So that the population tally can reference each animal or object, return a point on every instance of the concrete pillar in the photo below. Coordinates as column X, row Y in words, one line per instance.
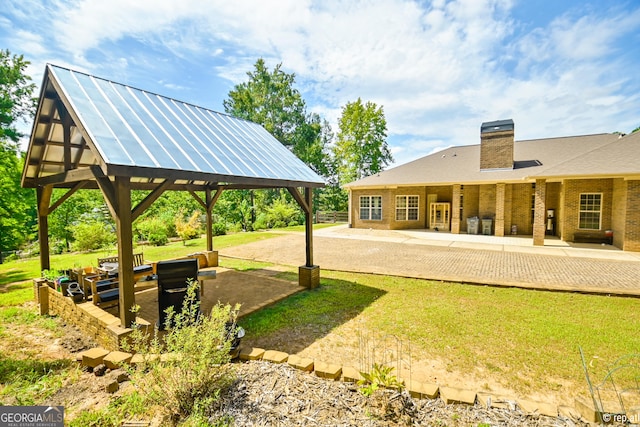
column 540, row 213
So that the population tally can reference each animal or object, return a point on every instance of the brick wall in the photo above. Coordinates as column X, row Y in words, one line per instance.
column 571, row 208
column 487, row 201
column 496, row 150
column 388, row 221
column 632, row 223
column 94, row 322
column 470, row 208
column 521, row 208
column 455, row 209
column 619, row 213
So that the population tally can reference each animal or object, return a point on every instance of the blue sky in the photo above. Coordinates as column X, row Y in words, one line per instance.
column 438, row 68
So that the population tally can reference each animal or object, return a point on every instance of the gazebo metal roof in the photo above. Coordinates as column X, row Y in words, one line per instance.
column 131, row 132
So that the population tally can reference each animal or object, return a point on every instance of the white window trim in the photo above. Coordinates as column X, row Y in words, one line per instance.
column 580, row 211
column 406, row 208
column 370, row 207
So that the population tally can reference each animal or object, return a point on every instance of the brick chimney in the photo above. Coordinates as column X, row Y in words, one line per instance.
column 496, row 145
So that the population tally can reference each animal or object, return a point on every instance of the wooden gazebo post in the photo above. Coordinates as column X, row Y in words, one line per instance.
column 43, row 195
column 308, row 274
column 125, row 250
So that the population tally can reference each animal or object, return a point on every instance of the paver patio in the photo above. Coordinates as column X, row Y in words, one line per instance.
column 508, row 261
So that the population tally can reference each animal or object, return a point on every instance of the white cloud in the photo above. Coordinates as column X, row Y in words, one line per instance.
column 438, row 68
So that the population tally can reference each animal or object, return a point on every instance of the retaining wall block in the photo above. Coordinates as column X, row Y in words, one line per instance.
column 490, row 400
column 275, row 356
column 301, row 363
column 327, row 370
column 457, row 395
column 351, row 374
column 115, row 359
column 251, row 353
column 94, row 356
column 421, row 390
column 542, row 408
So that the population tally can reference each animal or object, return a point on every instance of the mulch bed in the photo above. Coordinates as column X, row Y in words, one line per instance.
column 268, row 394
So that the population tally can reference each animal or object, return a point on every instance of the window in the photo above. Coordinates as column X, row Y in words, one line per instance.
column 371, row 207
column 590, row 211
column 407, row 208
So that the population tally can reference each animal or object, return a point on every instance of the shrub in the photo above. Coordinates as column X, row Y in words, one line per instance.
column 190, row 229
column 158, row 239
column 195, row 369
column 92, row 235
column 154, row 230
column 281, row 214
column 219, row 229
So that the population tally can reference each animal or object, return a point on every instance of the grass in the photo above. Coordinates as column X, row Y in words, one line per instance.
column 25, row 270
column 527, row 339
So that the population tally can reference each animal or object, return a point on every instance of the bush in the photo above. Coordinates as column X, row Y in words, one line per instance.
column 190, row 229
column 280, row 214
column 158, row 239
column 196, row 370
column 152, row 229
column 219, row 229
column 92, row 235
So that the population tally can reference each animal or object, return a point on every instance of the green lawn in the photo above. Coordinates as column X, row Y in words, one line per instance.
column 528, row 340
column 27, row 269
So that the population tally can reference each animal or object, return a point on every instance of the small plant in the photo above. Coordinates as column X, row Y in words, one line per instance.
column 51, row 275
column 193, row 368
column 380, row 376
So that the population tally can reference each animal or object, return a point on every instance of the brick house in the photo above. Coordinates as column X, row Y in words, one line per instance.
column 579, row 188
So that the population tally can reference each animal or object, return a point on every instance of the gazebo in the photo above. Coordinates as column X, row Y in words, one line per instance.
column 93, row 133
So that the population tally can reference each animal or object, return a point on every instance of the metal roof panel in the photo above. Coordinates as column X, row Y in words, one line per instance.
column 134, row 128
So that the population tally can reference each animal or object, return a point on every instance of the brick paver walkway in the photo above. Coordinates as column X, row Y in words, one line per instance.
column 542, row 268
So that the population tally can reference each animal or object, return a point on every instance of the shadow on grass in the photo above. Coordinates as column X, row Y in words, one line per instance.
column 293, row 324
column 13, row 276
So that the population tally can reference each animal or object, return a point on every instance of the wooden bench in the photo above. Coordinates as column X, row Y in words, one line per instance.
column 593, row 236
column 140, row 267
column 104, row 292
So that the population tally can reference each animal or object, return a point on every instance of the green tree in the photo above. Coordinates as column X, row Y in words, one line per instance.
column 84, row 206
column 361, row 148
column 270, row 99
column 17, row 205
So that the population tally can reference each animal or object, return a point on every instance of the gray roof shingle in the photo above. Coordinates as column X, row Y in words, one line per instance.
column 575, row 156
